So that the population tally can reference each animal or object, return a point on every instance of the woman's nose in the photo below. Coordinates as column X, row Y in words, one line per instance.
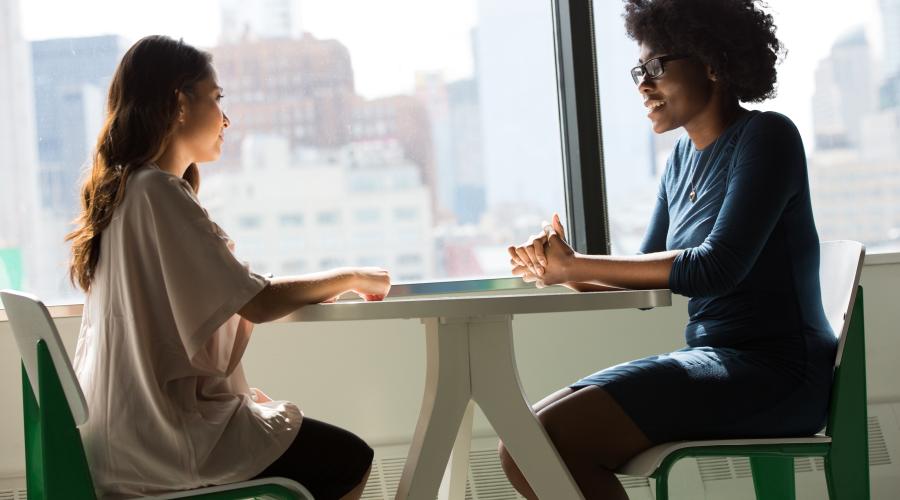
column 225, row 120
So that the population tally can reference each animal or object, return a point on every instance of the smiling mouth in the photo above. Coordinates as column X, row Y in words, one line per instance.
column 654, row 105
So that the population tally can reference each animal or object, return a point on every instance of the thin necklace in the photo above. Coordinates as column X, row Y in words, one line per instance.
column 694, row 177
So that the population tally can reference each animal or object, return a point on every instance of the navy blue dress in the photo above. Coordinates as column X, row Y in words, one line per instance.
column 760, row 351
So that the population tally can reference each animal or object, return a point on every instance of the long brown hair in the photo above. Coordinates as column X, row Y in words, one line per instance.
column 141, row 113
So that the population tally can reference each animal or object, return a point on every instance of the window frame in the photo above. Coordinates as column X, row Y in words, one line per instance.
column 584, row 173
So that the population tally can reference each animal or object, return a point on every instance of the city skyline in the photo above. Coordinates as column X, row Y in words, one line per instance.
column 489, row 168
column 442, row 21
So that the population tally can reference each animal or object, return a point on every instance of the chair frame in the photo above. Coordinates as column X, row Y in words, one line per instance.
column 55, row 462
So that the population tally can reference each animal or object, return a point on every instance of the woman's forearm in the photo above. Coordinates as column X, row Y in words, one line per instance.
column 633, row 272
column 286, row 294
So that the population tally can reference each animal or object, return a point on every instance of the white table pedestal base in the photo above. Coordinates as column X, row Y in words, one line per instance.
column 485, row 345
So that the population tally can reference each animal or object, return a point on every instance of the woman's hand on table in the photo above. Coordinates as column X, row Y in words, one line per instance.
column 531, row 253
column 371, row 283
column 545, row 258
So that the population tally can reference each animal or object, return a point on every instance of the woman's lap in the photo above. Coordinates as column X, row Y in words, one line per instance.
column 705, row 393
column 327, row 460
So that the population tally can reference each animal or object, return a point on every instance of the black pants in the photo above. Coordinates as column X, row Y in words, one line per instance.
column 327, row 460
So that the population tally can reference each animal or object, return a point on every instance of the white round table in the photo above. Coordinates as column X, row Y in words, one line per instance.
column 470, row 357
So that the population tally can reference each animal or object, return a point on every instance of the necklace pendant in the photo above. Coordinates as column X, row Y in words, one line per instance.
column 693, row 196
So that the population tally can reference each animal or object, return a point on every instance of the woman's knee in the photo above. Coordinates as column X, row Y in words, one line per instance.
column 589, row 429
column 554, row 422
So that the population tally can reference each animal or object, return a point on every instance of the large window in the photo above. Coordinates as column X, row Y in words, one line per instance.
column 840, row 84
column 421, row 136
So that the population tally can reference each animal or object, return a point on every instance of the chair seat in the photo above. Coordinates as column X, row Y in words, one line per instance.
column 646, row 463
column 295, row 487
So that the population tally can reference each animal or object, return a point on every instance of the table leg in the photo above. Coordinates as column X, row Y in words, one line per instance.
column 447, row 394
column 498, row 392
column 453, row 487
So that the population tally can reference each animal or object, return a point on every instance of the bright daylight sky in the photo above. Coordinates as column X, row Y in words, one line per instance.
column 433, row 35
column 386, row 55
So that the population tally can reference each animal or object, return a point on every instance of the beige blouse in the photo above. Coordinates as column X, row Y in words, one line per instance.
column 159, row 352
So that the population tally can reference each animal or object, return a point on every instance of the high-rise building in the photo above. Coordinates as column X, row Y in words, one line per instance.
column 18, row 162
column 844, row 92
column 854, row 179
column 400, row 119
column 431, row 91
column 454, row 114
column 890, row 18
column 359, row 205
column 71, row 81
column 889, row 94
column 516, row 76
column 881, row 136
column 856, row 198
column 258, row 19
column 301, row 89
column 466, row 150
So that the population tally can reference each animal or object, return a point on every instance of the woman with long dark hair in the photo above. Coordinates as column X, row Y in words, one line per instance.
column 169, row 310
column 732, row 229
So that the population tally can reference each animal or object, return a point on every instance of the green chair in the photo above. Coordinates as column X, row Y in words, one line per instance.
column 55, row 462
column 844, row 445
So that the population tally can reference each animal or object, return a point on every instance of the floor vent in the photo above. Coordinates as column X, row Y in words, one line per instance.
column 741, row 466
column 487, row 474
column 714, row 468
column 389, row 478
column 631, row 482
column 485, row 481
column 13, row 495
column 808, row 464
column 878, row 449
column 375, row 487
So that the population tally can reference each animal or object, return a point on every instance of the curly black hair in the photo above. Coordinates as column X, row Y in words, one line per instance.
column 736, row 38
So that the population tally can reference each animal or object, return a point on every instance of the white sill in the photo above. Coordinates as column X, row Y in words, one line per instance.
column 508, row 285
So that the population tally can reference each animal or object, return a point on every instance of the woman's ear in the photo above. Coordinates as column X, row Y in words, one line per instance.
column 182, row 105
column 710, row 74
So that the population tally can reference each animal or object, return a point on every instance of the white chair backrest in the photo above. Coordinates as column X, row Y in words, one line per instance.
column 31, row 322
column 840, row 265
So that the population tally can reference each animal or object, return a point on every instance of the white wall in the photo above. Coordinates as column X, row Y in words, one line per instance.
column 368, row 376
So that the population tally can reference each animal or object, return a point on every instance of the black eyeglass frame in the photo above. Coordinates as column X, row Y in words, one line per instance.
column 639, row 72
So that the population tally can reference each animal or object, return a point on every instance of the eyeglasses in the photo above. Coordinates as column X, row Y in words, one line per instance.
column 653, row 68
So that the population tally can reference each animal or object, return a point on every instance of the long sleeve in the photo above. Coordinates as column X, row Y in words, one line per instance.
column 764, row 177
column 655, row 237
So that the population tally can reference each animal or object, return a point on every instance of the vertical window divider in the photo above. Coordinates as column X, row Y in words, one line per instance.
column 580, row 126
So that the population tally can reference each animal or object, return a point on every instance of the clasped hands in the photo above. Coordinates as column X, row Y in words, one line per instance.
column 546, row 258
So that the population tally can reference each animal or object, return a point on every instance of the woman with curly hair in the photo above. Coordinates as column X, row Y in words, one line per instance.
column 732, row 229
